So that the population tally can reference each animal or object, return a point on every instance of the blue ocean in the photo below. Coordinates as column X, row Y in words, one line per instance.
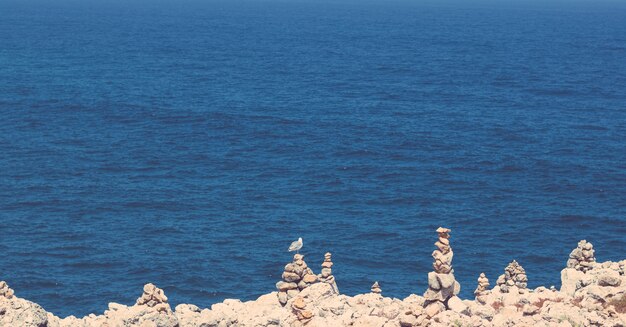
column 188, row 143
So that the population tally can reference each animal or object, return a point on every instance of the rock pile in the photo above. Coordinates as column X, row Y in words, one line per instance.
column 443, row 255
column 514, row 275
column 582, row 257
column 376, row 288
column 442, row 285
column 593, row 298
column 154, row 297
column 5, row 290
column 326, row 275
column 296, row 277
column 482, row 289
column 298, row 307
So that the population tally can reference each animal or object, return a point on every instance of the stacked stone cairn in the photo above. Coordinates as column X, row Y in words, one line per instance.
column 514, row 275
column 441, row 283
column 298, row 307
column 5, row 291
column 326, row 275
column 582, row 257
column 376, row 288
column 154, row 297
column 296, row 277
column 482, row 289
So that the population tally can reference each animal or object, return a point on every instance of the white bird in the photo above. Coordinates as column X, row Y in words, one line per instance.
column 296, row 246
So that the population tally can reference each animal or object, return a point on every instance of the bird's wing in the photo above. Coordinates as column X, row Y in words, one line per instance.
column 294, row 245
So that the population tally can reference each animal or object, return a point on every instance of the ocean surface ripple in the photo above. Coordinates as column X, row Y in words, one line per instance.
column 187, row 144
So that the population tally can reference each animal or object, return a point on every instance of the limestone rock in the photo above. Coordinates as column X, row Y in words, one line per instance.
column 433, row 281
column 594, row 297
column 285, row 286
column 572, row 280
column 20, row 312
column 414, row 316
column 298, row 307
column 282, row 297
column 434, row 308
column 609, row 278
column 455, row 304
column 5, row 290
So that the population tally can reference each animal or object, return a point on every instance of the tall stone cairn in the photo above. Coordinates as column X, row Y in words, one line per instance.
column 482, row 289
column 514, row 275
column 296, row 277
column 443, row 254
column 326, row 276
column 5, row 291
column 441, row 283
column 154, row 297
column 582, row 257
column 376, row 288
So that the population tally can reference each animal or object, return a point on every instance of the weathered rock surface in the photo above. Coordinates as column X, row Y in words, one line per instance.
column 20, row 312
column 596, row 297
column 5, row 291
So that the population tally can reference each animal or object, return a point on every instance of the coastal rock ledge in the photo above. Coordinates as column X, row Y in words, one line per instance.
column 592, row 294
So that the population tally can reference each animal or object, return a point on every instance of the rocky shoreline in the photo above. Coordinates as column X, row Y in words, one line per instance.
column 592, row 294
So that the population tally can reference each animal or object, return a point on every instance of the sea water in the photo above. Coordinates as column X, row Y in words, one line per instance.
column 188, row 144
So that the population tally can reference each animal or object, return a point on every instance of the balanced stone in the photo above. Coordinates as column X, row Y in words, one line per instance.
column 154, row 297
column 327, row 273
column 376, row 288
column 290, row 277
column 514, row 275
column 482, row 289
column 582, row 257
column 443, row 255
column 296, row 277
column 442, row 284
column 285, row 286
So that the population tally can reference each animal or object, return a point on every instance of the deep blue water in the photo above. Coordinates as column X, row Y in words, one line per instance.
column 187, row 144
